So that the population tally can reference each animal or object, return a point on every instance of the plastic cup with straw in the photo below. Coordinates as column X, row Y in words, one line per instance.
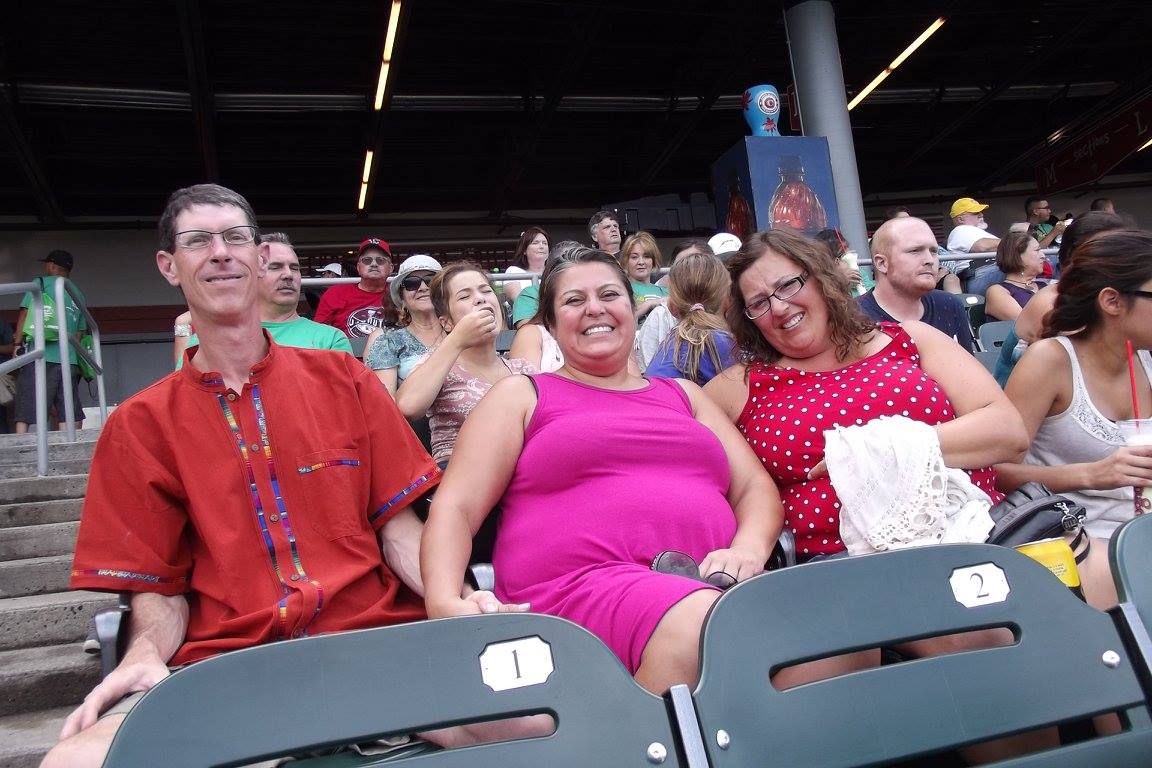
column 1134, row 431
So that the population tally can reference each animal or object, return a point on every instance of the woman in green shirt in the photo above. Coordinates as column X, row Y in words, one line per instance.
column 640, row 258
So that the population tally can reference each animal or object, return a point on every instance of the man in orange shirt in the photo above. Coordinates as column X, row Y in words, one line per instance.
column 259, row 493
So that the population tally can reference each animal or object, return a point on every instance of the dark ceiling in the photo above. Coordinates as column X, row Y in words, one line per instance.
column 499, row 105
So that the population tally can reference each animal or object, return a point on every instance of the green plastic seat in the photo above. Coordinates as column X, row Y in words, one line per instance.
column 300, row 695
column 1070, row 662
column 1130, row 554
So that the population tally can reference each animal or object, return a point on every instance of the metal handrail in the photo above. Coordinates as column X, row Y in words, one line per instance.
column 35, row 356
column 95, row 359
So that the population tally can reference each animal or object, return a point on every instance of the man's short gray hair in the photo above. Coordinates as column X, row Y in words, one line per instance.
column 598, row 217
column 275, row 237
column 199, row 194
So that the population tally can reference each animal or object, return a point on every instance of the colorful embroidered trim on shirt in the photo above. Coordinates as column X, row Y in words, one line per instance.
column 329, row 463
column 392, row 502
column 281, row 509
column 112, row 573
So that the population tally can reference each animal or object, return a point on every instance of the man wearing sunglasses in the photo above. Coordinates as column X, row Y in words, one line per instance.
column 360, row 308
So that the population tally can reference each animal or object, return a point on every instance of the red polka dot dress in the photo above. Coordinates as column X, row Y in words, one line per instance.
column 788, row 411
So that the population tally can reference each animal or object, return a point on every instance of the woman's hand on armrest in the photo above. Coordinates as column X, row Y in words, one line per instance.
column 480, row 601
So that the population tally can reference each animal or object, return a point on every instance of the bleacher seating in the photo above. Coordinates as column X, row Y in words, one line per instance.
column 1069, row 663
column 1130, row 552
column 974, row 306
column 983, row 273
column 992, row 335
column 988, row 358
column 306, row 694
column 504, row 341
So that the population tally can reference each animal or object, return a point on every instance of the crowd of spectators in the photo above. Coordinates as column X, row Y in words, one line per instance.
column 771, row 398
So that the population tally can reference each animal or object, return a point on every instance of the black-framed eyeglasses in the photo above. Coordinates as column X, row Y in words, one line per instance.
column 195, row 239
column 413, row 282
column 783, row 292
column 1138, row 292
column 367, row 260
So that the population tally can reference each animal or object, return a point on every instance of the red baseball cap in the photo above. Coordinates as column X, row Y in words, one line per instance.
column 374, row 242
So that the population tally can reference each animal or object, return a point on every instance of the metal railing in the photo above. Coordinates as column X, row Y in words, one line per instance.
column 35, row 356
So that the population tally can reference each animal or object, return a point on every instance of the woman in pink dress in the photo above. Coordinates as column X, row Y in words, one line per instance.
column 602, row 472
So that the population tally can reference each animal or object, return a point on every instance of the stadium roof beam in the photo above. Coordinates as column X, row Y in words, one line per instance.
column 394, row 36
column 593, row 25
column 199, row 87
column 1137, row 87
column 29, row 161
column 1056, row 48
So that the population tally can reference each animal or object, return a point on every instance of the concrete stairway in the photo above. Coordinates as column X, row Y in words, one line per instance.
column 44, row 672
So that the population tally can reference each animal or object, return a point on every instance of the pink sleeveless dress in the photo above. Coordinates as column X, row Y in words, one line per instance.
column 605, row 482
column 788, row 411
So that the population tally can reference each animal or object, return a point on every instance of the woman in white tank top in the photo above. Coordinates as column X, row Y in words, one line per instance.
column 1073, row 386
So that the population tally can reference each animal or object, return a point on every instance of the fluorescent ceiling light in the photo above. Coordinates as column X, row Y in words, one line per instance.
column 367, row 167
column 897, row 62
column 380, row 86
column 390, row 38
column 386, row 60
column 1146, row 145
column 363, row 195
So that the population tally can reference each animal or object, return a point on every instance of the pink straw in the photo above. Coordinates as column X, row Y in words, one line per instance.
column 1132, row 383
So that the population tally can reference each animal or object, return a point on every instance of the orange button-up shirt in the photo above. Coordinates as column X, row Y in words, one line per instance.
column 261, row 506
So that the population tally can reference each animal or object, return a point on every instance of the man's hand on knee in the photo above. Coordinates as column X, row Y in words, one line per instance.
column 127, row 678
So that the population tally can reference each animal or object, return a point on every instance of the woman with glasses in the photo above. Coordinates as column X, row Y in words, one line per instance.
column 392, row 352
column 598, row 472
column 531, row 252
column 1074, row 390
column 815, row 362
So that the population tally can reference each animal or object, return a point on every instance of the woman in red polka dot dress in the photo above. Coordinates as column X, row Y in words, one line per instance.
column 815, row 362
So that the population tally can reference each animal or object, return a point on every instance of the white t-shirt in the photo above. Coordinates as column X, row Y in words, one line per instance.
column 963, row 237
column 514, row 270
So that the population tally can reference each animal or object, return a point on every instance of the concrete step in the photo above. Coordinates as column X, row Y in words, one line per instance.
column 43, row 488
column 35, row 575
column 40, row 512
column 42, row 540
column 55, row 468
column 54, row 437
column 45, row 678
column 26, row 454
column 51, row 619
column 27, row 737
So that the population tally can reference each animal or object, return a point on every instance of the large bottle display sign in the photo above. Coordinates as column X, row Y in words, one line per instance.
column 771, row 181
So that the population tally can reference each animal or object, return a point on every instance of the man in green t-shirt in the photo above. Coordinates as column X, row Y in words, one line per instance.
column 57, row 264
column 280, row 298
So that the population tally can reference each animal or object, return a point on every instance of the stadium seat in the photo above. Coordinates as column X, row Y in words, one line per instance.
column 299, row 695
column 992, row 334
column 504, row 341
column 988, row 358
column 974, row 306
column 1130, row 552
column 982, row 274
column 358, row 344
column 1069, row 662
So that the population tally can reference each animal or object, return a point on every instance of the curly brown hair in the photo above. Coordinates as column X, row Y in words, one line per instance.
column 848, row 326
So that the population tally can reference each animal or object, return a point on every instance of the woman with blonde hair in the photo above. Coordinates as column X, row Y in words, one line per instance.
column 640, row 258
column 700, row 345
